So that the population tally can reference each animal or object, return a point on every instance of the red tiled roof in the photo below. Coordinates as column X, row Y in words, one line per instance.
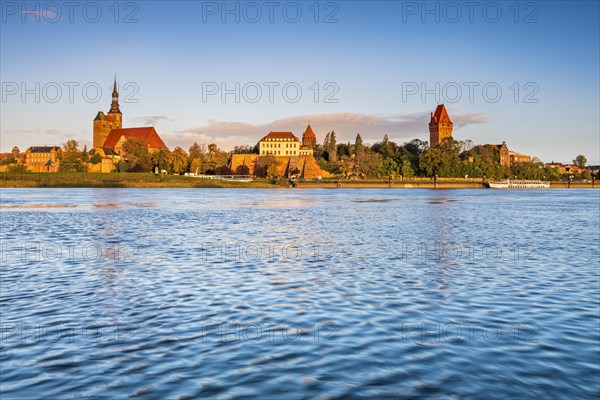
column 44, row 149
column 280, row 135
column 440, row 113
column 147, row 134
column 309, row 132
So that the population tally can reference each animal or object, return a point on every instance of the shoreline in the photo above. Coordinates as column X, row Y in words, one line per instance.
column 133, row 180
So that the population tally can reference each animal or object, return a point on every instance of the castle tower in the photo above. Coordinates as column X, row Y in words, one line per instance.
column 440, row 126
column 104, row 123
column 309, row 138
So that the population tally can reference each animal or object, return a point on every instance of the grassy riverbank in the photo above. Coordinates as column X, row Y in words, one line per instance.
column 123, row 180
column 147, row 180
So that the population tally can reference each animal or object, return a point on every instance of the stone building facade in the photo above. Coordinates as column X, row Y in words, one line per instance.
column 42, row 158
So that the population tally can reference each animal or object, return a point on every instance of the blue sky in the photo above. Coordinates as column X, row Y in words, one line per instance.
column 367, row 60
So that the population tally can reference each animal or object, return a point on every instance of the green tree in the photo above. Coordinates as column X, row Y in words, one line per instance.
column 407, row 169
column 332, row 150
column 71, row 147
column 359, row 147
column 70, row 161
column 242, row 170
column 161, row 159
column 263, row 164
column 214, row 160
column 344, row 150
column 273, row 171
column 9, row 160
column 245, row 149
column 416, row 146
column 431, row 161
column 179, row 160
column 122, row 166
column 451, row 165
column 329, row 167
column 527, row 170
column 580, row 161
column 318, row 151
column 196, row 157
column 413, row 150
column 551, row 174
column 368, row 164
column 387, row 166
column 137, row 155
column 96, row 158
column 84, row 155
column 488, row 153
column 17, row 168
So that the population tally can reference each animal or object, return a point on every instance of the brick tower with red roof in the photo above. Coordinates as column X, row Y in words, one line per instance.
column 440, row 126
column 309, row 139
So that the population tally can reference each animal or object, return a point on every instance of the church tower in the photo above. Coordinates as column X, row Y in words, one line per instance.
column 114, row 111
column 104, row 123
column 440, row 126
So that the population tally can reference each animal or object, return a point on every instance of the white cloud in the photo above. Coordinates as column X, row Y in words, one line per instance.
column 152, row 120
column 399, row 127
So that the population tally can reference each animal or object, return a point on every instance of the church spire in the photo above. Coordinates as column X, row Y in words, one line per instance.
column 115, row 94
column 114, row 107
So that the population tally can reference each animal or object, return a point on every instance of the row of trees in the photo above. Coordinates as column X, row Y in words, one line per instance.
column 198, row 159
column 381, row 159
column 414, row 158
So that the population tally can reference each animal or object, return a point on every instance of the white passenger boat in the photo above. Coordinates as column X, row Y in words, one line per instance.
column 521, row 184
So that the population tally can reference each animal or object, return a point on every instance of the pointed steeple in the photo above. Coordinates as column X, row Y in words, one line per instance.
column 308, row 137
column 114, row 93
column 114, row 107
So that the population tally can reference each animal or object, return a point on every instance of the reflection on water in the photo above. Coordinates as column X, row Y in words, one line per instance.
column 299, row 293
column 93, row 205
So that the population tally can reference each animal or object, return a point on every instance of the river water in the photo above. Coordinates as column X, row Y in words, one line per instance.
column 383, row 293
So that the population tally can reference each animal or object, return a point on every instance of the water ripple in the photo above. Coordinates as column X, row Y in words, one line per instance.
column 299, row 294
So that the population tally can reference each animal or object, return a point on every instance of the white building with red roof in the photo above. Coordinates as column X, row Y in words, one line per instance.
column 287, row 144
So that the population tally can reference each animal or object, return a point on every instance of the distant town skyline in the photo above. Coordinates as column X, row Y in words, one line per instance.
column 371, row 68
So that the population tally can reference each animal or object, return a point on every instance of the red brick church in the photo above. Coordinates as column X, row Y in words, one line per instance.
column 109, row 134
